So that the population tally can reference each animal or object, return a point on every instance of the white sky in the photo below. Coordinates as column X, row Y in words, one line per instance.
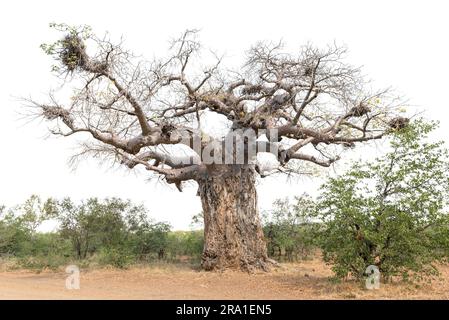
column 404, row 44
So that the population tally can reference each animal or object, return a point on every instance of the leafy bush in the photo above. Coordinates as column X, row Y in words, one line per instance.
column 150, row 240
column 13, row 237
column 185, row 243
column 287, row 230
column 18, row 227
column 111, row 231
column 93, row 224
column 116, row 257
column 52, row 261
column 389, row 213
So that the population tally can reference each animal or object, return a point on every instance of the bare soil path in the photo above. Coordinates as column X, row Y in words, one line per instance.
column 304, row 280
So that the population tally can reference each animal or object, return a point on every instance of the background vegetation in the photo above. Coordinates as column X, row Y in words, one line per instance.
column 106, row 232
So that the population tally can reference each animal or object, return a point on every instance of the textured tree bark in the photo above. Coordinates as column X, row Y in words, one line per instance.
column 232, row 229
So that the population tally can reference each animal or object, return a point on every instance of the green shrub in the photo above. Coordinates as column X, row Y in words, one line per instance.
column 40, row 262
column 287, row 229
column 389, row 213
column 185, row 243
column 116, row 257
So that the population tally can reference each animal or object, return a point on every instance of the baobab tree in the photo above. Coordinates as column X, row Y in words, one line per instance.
column 307, row 107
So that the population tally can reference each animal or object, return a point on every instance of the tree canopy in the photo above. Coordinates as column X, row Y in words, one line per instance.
column 307, row 106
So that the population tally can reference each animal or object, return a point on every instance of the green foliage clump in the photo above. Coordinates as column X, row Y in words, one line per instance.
column 118, row 230
column 70, row 50
column 18, row 228
column 186, row 243
column 288, row 229
column 108, row 232
column 115, row 256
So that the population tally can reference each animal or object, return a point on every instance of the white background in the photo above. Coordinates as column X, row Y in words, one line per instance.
column 399, row 43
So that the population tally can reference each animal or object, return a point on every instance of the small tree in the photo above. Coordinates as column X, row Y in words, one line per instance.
column 18, row 226
column 93, row 223
column 390, row 212
column 12, row 235
column 150, row 238
column 287, row 229
column 185, row 243
column 116, row 228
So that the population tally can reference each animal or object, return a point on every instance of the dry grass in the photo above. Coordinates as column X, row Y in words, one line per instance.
column 303, row 280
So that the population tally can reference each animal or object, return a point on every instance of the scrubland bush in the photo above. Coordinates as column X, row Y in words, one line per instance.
column 106, row 232
column 287, row 229
column 391, row 212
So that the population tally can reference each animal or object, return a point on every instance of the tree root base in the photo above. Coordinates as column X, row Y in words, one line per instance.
column 261, row 265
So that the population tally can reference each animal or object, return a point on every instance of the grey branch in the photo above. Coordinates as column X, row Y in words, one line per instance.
column 311, row 98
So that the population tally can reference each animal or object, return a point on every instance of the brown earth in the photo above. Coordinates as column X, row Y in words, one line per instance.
column 303, row 280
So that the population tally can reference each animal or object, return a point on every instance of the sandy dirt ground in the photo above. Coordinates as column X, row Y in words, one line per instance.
column 304, row 280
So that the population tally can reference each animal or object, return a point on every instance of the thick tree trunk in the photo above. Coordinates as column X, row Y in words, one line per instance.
column 233, row 233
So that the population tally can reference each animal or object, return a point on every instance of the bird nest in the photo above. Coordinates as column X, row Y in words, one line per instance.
column 252, row 89
column 398, row 123
column 52, row 113
column 167, row 129
column 73, row 53
column 359, row 110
